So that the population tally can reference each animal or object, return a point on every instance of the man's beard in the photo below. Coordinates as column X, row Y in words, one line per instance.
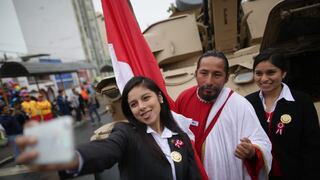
column 215, row 91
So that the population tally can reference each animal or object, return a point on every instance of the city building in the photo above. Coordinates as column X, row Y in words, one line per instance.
column 52, row 31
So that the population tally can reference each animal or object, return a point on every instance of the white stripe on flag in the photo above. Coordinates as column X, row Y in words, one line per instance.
column 122, row 70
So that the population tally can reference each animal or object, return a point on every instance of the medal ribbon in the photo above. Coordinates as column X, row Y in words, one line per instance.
column 178, row 143
column 280, row 128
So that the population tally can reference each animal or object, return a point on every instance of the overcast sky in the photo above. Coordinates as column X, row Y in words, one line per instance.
column 147, row 11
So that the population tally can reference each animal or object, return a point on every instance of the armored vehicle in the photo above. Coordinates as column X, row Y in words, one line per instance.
column 241, row 30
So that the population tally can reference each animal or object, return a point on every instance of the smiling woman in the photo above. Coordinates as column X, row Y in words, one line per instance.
column 145, row 106
column 150, row 146
column 288, row 117
column 149, row 113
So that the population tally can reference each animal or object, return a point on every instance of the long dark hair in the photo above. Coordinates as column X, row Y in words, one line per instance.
column 166, row 118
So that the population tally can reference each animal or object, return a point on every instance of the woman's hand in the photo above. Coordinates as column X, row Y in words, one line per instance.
column 27, row 157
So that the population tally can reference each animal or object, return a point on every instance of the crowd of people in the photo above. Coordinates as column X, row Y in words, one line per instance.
column 17, row 106
column 271, row 134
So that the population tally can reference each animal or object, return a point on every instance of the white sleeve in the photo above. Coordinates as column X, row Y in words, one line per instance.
column 75, row 173
column 184, row 124
column 252, row 129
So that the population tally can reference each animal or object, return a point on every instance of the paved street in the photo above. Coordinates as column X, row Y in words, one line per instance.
column 83, row 132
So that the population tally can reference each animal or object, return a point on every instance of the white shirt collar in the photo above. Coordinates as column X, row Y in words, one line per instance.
column 162, row 141
column 166, row 133
column 285, row 93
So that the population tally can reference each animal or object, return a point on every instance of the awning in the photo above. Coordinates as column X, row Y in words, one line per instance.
column 16, row 69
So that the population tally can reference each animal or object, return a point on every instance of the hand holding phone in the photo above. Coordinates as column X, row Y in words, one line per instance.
column 55, row 141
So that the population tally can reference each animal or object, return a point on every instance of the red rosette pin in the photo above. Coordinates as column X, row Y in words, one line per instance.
column 178, row 143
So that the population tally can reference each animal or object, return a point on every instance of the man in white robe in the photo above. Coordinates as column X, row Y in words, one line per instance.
column 235, row 146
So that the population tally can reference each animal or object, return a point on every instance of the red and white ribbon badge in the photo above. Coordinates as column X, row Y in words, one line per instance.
column 178, row 143
column 280, row 128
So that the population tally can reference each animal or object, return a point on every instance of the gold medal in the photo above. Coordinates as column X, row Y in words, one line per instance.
column 285, row 119
column 176, row 156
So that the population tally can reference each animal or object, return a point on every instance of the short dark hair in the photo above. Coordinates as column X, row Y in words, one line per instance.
column 273, row 57
column 217, row 54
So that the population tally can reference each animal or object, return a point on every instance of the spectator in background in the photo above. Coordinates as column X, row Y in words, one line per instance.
column 11, row 126
column 3, row 137
column 85, row 95
column 92, row 107
column 30, row 107
column 21, row 116
column 75, row 104
column 23, row 91
column 82, row 105
column 14, row 98
column 44, row 107
column 63, row 103
column 2, row 104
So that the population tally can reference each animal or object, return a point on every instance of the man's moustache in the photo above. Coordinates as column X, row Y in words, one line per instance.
column 210, row 88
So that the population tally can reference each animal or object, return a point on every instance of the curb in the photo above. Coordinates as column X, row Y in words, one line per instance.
column 6, row 160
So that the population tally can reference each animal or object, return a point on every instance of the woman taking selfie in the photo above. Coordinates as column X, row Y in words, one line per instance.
column 289, row 118
column 150, row 146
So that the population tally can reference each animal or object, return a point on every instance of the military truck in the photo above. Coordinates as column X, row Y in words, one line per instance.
column 241, row 30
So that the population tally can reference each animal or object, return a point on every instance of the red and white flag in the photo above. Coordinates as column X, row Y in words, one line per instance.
column 130, row 53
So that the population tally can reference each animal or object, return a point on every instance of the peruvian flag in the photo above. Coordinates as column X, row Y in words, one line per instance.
column 131, row 55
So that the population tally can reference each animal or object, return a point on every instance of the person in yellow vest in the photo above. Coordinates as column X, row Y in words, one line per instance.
column 44, row 108
column 30, row 107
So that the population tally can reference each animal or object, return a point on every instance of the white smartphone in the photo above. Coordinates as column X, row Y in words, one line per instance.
column 55, row 141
